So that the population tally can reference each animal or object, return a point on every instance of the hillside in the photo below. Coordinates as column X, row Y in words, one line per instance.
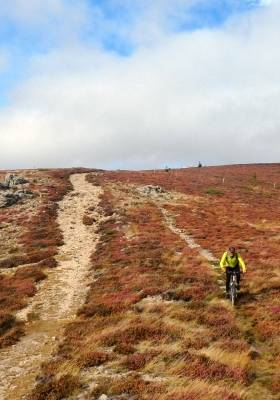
column 110, row 286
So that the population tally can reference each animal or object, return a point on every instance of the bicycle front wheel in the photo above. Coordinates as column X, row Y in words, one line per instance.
column 233, row 294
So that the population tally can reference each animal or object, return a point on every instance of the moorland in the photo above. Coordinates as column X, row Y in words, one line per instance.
column 153, row 322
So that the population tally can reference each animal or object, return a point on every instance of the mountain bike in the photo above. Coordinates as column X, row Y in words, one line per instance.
column 233, row 288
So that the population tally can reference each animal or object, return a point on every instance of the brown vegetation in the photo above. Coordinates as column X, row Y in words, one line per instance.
column 155, row 319
column 155, row 324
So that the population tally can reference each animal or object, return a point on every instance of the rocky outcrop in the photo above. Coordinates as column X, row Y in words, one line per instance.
column 150, row 189
column 12, row 180
column 10, row 194
column 3, row 186
column 8, row 199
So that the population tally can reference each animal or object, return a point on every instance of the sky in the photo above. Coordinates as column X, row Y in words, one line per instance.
column 139, row 84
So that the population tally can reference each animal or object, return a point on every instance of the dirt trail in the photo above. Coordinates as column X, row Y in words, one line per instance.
column 183, row 235
column 191, row 243
column 168, row 197
column 58, row 297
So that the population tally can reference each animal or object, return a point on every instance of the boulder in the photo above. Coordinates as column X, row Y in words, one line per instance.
column 14, row 180
column 150, row 189
column 103, row 397
column 24, row 193
column 4, row 186
column 8, row 199
column 10, row 194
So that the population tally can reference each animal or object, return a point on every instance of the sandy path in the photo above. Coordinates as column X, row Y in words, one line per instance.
column 187, row 238
column 58, row 297
column 159, row 199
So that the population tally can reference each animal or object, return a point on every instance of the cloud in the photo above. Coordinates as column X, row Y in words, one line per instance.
column 38, row 25
column 36, row 12
column 206, row 95
column 268, row 2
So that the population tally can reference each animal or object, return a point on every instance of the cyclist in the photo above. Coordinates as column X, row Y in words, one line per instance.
column 232, row 261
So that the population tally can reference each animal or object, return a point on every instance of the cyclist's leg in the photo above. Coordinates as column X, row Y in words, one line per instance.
column 228, row 271
column 238, row 276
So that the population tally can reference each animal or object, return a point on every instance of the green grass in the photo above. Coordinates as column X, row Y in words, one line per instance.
column 213, row 191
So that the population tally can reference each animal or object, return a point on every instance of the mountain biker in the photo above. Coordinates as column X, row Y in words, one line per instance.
column 232, row 261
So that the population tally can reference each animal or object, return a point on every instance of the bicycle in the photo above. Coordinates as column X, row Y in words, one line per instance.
column 233, row 287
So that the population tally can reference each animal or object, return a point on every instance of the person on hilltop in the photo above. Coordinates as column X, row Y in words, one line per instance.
column 232, row 261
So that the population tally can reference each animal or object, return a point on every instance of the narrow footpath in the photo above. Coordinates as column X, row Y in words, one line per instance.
column 58, row 297
column 257, row 348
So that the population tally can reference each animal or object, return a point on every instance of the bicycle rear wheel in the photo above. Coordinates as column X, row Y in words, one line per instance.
column 232, row 292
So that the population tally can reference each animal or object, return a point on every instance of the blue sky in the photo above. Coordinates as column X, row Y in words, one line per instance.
column 138, row 83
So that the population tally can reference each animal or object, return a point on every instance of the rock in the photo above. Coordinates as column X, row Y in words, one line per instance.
column 24, row 193
column 4, row 186
column 14, row 180
column 92, row 386
column 82, row 396
column 9, row 194
column 103, row 397
column 8, row 199
column 43, row 378
column 150, row 189
column 254, row 353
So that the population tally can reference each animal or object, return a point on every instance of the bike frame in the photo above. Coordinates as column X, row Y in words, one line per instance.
column 233, row 287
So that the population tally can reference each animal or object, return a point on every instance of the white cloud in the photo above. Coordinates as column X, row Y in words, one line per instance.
column 269, row 2
column 36, row 11
column 51, row 21
column 209, row 95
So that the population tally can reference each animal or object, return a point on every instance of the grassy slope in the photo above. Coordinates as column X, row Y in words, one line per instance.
column 155, row 324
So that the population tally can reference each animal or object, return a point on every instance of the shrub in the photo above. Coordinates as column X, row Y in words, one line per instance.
column 49, row 262
column 55, row 389
column 25, row 288
column 34, row 257
column 184, row 395
column 138, row 360
column 11, row 335
column 213, row 191
column 275, row 385
column 94, row 359
column 135, row 385
column 30, row 272
column 227, row 395
column 87, row 220
column 6, row 322
column 198, row 366
column 135, row 334
column 124, row 348
column 90, row 310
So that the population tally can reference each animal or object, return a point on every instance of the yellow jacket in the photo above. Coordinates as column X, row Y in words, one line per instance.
column 231, row 262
